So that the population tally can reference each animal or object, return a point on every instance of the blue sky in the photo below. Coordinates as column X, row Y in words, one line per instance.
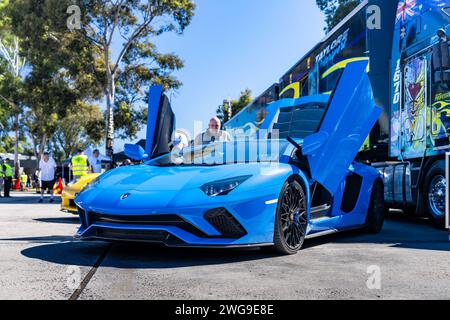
column 236, row 44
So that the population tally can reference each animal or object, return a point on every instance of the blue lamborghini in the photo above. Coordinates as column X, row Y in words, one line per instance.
column 297, row 178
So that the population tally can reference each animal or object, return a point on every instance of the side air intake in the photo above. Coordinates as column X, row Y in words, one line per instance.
column 225, row 223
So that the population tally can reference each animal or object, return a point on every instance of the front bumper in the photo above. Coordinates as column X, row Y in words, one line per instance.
column 237, row 224
column 68, row 203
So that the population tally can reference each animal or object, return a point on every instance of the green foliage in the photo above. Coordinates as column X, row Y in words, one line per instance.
column 5, row 107
column 223, row 112
column 82, row 126
column 133, row 83
column 336, row 10
column 69, row 73
column 61, row 73
column 132, row 27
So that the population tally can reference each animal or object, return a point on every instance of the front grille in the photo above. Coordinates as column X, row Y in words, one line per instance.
column 149, row 220
column 143, row 219
column 225, row 223
column 138, row 235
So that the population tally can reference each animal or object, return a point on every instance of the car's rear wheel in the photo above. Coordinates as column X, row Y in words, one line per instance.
column 291, row 219
column 377, row 209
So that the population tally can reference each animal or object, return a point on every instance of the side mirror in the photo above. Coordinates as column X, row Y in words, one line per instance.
column 313, row 143
column 135, row 152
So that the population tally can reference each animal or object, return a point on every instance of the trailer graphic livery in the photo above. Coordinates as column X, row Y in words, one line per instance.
column 409, row 67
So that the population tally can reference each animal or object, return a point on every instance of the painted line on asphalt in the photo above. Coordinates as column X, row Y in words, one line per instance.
column 76, row 294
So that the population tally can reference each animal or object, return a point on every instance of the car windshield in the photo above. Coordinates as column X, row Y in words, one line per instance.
column 223, row 153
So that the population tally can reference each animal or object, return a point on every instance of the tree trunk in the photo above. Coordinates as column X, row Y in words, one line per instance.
column 35, row 151
column 110, row 94
column 42, row 146
column 16, row 146
column 109, row 125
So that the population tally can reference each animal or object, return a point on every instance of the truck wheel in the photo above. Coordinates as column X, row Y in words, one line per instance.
column 377, row 209
column 291, row 219
column 434, row 194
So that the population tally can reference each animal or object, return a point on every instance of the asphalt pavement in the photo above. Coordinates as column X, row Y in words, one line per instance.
column 40, row 259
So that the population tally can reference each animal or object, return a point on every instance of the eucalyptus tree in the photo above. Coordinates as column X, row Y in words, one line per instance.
column 11, row 87
column 123, row 31
column 336, row 10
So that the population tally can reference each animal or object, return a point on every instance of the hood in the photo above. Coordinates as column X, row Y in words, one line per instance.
column 146, row 178
column 157, row 187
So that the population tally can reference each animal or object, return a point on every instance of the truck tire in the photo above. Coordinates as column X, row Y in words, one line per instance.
column 377, row 209
column 434, row 194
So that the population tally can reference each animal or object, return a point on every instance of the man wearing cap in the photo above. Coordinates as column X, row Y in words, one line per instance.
column 47, row 168
column 7, row 172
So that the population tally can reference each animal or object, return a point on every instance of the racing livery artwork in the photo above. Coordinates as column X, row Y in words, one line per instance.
column 414, row 114
column 420, row 122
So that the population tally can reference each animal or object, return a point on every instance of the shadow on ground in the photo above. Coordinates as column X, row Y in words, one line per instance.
column 141, row 256
column 28, row 198
column 399, row 232
column 69, row 220
column 45, row 239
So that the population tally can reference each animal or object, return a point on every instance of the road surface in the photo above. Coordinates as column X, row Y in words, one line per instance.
column 40, row 259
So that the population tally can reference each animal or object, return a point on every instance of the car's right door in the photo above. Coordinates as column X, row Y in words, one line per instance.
column 350, row 117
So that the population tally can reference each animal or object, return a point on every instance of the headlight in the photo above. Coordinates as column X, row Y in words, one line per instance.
column 71, row 183
column 223, row 187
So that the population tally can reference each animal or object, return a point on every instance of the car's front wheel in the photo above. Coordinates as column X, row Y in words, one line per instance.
column 377, row 209
column 291, row 219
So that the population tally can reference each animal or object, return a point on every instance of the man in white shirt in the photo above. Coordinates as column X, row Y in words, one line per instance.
column 47, row 168
column 213, row 134
column 95, row 162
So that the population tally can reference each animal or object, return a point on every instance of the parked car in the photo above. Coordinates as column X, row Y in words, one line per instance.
column 71, row 190
column 261, row 192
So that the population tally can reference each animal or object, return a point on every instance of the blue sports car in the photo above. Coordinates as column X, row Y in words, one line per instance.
column 297, row 178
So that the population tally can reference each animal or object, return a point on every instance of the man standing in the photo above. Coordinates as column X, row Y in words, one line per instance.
column 1, row 176
column 213, row 134
column 95, row 162
column 47, row 167
column 79, row 165
column 7, row 177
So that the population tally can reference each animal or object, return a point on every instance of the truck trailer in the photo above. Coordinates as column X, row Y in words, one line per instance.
column 409, row 67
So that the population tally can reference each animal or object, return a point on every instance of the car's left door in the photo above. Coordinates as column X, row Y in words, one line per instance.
column 160, row 123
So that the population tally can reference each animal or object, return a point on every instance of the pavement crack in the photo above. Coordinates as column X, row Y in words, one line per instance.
column 76, row 294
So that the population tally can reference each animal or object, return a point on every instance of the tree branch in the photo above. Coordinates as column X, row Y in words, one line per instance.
column 116, row 20
column 8, row 101
column 133, row 37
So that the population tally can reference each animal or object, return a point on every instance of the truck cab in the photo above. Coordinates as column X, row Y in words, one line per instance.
column 420, row 109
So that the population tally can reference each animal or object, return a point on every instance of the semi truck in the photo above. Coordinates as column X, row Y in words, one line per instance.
column 409, row 67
